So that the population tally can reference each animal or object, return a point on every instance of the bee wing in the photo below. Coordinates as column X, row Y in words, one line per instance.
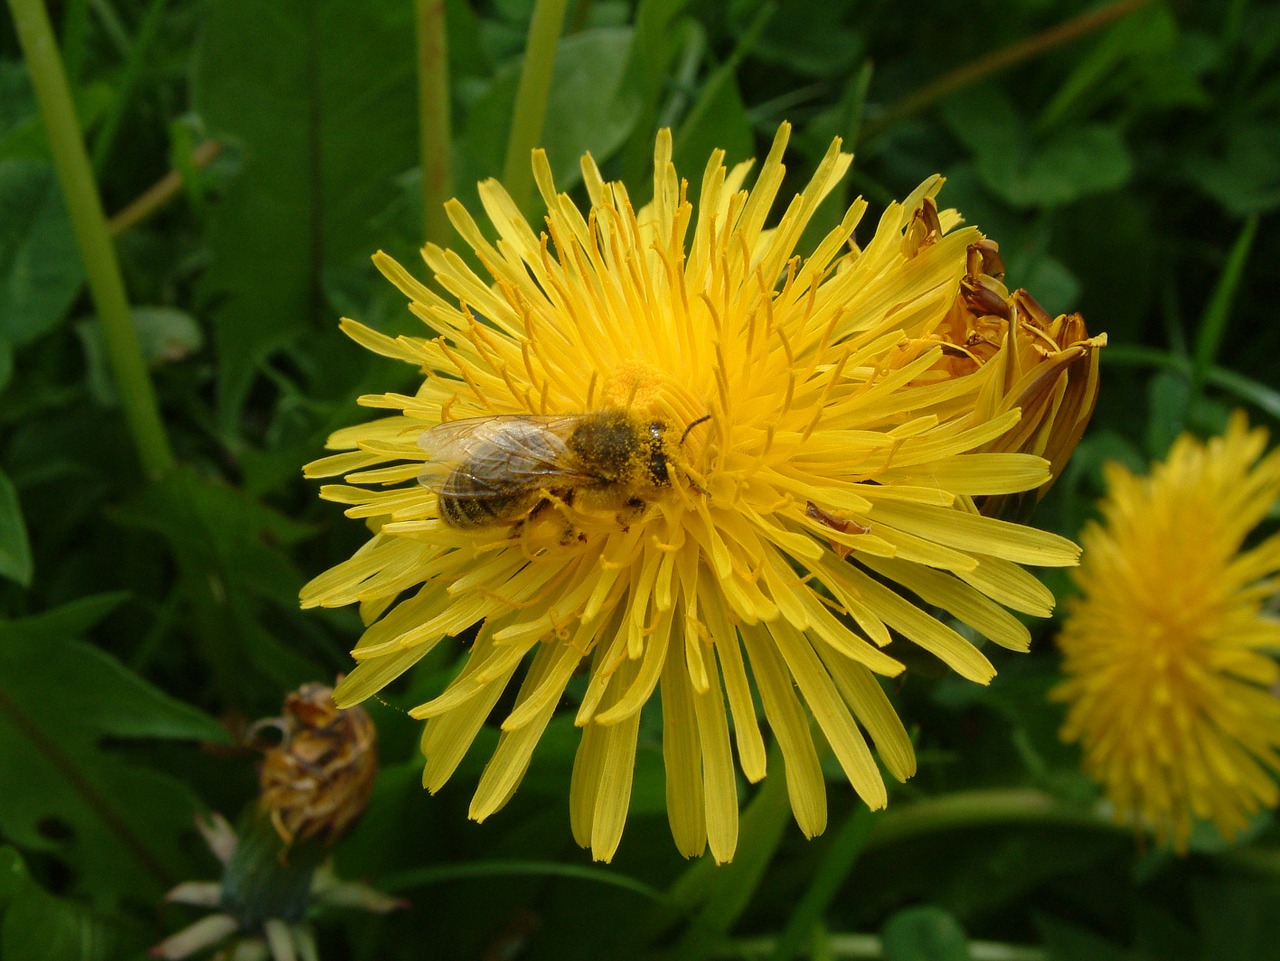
column 517, row 449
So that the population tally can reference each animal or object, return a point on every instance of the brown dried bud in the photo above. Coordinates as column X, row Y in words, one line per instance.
column 316, row 782
column 1048, row 367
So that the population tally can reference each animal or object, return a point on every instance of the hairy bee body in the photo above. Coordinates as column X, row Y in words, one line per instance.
column 499, row 471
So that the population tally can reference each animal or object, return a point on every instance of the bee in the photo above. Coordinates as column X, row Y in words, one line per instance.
column 502, row 470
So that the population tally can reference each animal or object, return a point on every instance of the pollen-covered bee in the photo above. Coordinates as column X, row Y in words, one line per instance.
column 499, row 470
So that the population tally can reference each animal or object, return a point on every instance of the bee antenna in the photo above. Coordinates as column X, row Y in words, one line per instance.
column 701, row 420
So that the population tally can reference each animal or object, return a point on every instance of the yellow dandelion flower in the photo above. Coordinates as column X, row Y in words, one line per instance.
column 660, row 447
column 1168, row 650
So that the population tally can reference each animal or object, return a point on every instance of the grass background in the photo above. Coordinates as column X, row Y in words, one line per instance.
column 1130, row 171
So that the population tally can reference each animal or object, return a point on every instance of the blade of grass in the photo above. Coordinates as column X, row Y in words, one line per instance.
column 531, row 98
column 970, row 73
column 139, row 57
column 840, row 857
column 1213, row 325
column 435, row 126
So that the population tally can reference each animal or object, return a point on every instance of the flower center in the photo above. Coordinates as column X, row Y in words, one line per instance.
column 632, row 386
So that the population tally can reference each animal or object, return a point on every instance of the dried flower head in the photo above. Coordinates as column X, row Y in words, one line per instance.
column 1047, row 368
column 316, row 782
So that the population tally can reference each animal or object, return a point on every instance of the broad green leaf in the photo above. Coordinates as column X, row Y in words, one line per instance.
column 1027, row 171
column 1071, row 165
column 1245, row 177
column 116, row 824
column 40, row 270
column 15, row 548
column 69, row 620
column 924, row 934
column 320, row 100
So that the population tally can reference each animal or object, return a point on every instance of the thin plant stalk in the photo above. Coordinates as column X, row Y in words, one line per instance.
column 159, row 194
column 713, row 896
column 531, row 98
column 102, row 270
column 434, row 121
column 970, row 73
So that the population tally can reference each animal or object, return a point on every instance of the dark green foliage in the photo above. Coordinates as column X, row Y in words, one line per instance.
column 1132, row 174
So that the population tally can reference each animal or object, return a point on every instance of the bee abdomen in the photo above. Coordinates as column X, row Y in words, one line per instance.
column 467, row 502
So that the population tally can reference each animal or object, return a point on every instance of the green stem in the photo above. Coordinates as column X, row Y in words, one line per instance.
column 983, row 808
column 839, row 859
column 531, row 98
column 867, row 946
column 159, row 194
column 133, row 381
column 722, row 892
column 434, row 124
column 970, row 73
column 451, row 873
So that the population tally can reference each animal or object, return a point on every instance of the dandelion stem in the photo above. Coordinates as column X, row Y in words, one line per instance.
column 434, row 123
column 1010, row 56
column 531, row 98
column 978, row 808
column 106, row 287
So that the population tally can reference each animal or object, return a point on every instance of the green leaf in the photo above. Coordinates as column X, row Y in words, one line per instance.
column 6, row 363
column 15, row 548
column 1245, row 178
column 69, row 620
column 811, row 39
column 40, row 269
column 1236, row 919
column 228, row 553
column 319, row 97
column 13, row 875
column 1066, row 942
column 1071, row 165
column 1170, row 404
column 41, row 927
column 165, row 336
column 924, row 934
column 116, row 824
column 1028, row 172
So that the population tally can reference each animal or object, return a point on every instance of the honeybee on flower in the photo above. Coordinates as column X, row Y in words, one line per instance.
column 793, row 488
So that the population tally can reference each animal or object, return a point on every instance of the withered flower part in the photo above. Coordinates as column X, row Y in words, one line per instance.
column 1048, row 367
column 315, row 784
